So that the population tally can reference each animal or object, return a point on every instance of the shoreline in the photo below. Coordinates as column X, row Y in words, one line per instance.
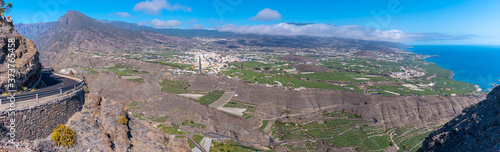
column 428, row 56
column 485, row 88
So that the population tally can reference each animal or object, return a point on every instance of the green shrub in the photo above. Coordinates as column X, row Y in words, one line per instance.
column 64, row 136
column 123, row 120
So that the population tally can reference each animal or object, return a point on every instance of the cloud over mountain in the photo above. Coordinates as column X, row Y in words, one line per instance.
column 267, row 15
column 327, row 30
column 154, row 7
column 162, row 24
column 121, row 14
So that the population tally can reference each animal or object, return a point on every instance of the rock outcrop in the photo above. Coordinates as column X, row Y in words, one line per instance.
column 476, row 129
column 25, row 65
column 97, row 128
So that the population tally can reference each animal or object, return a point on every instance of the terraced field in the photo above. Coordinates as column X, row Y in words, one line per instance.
column 344, row 129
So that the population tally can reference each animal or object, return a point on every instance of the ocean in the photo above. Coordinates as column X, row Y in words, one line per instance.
column 473, row 64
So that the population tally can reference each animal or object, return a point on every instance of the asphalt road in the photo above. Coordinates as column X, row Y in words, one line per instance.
column 53, row 85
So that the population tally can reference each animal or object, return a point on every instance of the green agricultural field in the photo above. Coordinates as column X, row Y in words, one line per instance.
column 363, row 67
column 341, row 113
column 286, row 80
column 239, row 104
column 177, row 65
column 197, row 138
column 250, row 65
column 264, row 124
column 193, row 124
column 402, row 90
column 344, row 76
column 211, row 97
column 140, row 80
column 356, row 70
column 91, row 71
column 122, row 70
column 160, row 119
column 174, row 86
column 231, row 146
column 171, row 130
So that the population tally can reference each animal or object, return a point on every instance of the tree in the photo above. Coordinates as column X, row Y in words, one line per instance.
column 5, row 8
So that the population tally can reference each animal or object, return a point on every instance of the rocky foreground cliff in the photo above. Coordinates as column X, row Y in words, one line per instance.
column 25, row 66
column 476, row 129
column 97, row 128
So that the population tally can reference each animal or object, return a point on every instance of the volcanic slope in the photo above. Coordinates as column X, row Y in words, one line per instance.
column 476, row 129
column 76, row 31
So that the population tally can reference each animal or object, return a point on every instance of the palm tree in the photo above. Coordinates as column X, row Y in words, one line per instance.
column 5, row 8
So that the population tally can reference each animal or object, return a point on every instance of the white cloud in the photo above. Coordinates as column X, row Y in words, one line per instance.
column 154, row 7
column 121, row 14
column 267, row 15
column 161, row 24
column 197, row 26
column 192, row 21
column 326, row 30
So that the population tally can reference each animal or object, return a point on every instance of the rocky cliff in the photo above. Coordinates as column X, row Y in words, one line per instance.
column 97, row 128
column 476, row 129
column 25, row 66
column 390, row 111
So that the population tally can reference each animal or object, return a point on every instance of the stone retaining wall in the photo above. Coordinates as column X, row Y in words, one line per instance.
column 38, row 120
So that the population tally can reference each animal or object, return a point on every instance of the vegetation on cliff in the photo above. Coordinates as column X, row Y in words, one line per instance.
column 64, row 136
column 5, row 8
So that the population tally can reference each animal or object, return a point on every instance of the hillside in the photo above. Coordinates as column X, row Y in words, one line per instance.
column 75, row 31
column 476, row 129
column 31, row 31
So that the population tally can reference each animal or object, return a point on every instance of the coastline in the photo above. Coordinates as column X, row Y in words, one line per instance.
column 428, row 56
column 468, row 63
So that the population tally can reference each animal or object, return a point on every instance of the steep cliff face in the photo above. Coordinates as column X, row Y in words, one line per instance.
column 26, row 65
column 390, row 111
column 476, row 129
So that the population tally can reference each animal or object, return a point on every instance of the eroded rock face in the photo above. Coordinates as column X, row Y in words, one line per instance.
column 389, row 111
column 26, row 65
column 97, row 128
column 476, row 129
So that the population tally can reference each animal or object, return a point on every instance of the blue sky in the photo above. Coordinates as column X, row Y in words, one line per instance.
column 407, row 21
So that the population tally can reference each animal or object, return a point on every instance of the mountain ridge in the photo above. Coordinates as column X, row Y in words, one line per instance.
column 191, row 33
column 476, row 129
column 74, row 31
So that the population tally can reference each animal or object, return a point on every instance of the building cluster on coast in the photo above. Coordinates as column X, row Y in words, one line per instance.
column 408, row 73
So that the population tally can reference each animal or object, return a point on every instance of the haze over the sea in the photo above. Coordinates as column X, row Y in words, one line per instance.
column 472, row 64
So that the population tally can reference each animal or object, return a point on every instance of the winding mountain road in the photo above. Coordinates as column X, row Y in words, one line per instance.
column 55, row 84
